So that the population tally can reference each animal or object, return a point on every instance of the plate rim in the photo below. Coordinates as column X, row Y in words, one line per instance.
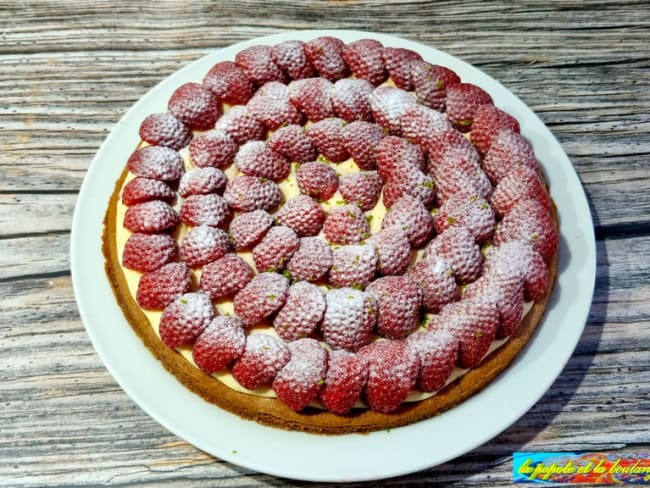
column 565, row 187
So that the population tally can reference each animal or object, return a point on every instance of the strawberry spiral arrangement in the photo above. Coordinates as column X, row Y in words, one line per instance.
column 361, row 311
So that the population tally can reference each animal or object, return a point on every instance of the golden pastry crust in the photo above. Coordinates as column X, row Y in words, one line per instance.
column 270, row 411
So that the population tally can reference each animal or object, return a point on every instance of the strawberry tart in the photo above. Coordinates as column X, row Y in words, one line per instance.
column 332, row 237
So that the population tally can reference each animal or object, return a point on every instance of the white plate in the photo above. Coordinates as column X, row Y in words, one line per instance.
column 347, row 457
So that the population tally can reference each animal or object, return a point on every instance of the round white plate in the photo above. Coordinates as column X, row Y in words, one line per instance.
column 347, row 457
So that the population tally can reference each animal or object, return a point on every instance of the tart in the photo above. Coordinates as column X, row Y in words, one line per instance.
column 332, row 237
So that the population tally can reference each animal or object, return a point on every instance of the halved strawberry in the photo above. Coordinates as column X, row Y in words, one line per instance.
column 312, row 97
column 437, row 351
column 318, row 180
column 148, row 252
column 346, row 225
column 302, row 312
column 353, row 265
column 275, row 249
column 392, row 372
column 229, row 83
column 364, row 58
column 399, row 63
column 303, row 215
column 463, row 99
column 290, row 57
column 202, row 245
column 398, row 301
column 410, row 215
column 185, row 318
column 225, row 276
column 195, row 106
column 327, row 134
column 293, row 143
column 262, row 296
column 163, row 129
column 202, row 181
column 344, row 381
column 263, row 358
column 140, row 190
column 156, row 162
column 157, row 289
column 488, row 122
column 221, row 343
column 248, row 228
column 212, row 210
column 362, row 188
column 361, row 140
column 349, row 99
column 258, row 66
column 240, row 125
column 324, row 54
column 255, row 158
column 349, row 318
column 212, row 148
column 150, row 217
column 435, row 277
column 311, row 261
column 247, row 193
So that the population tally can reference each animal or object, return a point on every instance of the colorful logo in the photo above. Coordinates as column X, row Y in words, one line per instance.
column 575, row 467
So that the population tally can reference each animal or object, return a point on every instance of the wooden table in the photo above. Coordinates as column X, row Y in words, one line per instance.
column 70, row 70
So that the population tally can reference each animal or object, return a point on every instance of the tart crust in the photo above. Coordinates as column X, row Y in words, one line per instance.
column 272, row 412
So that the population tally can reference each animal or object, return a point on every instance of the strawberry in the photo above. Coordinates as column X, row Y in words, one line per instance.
column 275, row 249
column 229, row 83
column 398, row 305
column 312, row 97
column 202, row 181
column 301, row 313
column 393, row 251
column 148, row 252
column 311, row 261
column 423, row 126
column 364, row 58
column 394, row 154
column 195, row 106
column 392, row 372
column 350, row 99
column 435, row 277
column 458, row 247
column 409, row 181
column 290, row 57
column 292, row 142
column 437, row 351
column 271, row 106
column 212, row 148
column 212, row 210
column 507, row 291
column 349, row 318
column 140, row 190
column 317, row 180
column 221, row 343
column 248, row 228
column 508, row 151
column 459, row 171
column 157, row 289
column 473, row 323
column 353, row 265
column 150, row 217
column 301, row 379
column 362, row 189
column 327, row 134
column 522, row 183
column 303, row 215
column 518, row 261
column 399, row 63
column 346, row 225
column 262, row 296
column 344, row 381
column 185, row 318
column 202, row 245
column 488, row 122
column 361, row 140
column 463, row 100
column 240, row 125
column 324, row 54
column 388, row 104
column 263, row 358
column 468, row 210
column 441, row 142
column 532, row 222
column 225, row 276
column 248, row 193
column 410, row 215
column 258, row 66
column 255, row 158
column 431, row 83
column 156, row 162
column 163, row 129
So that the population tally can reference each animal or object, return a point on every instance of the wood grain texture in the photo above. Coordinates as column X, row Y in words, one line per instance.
column 70, row 69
